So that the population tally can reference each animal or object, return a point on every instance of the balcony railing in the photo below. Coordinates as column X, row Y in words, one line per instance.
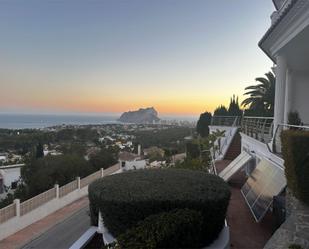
column 260, row 128
column 277, row 146
column 226, row 121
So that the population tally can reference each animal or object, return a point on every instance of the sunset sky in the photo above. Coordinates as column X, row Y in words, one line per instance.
column 181, row 56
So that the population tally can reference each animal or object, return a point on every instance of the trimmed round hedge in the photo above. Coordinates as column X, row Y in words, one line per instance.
column 128, row 198
column 182, row 229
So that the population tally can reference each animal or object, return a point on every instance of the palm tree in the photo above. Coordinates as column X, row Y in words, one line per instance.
column 261, row 96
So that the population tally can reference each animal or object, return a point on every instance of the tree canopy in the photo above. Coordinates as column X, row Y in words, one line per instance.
column 261, row 97
column 203, row 123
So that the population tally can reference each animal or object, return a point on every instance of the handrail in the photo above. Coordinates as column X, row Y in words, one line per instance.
column 259, row 128
column 225, row 116
column 232, row 121
column 257, row 117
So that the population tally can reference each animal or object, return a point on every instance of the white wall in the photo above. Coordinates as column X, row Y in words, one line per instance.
column 17, row 223
column 230, row 132
column 259, row 150
column 10, row 175
column 132, row 165
column 300, row 95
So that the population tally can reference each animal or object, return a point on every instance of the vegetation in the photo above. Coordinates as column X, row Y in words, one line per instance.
column 193, row 149
column 180, row 228
column 171, row 138
column 42, row 174
column 221, row 111
column 104, row 158
column 192, row 164
column 294, row 119
column 203, row 123
column 234, row 109
column 128, row 198
column 295, row 150
column 261, row 97
column 295, row 246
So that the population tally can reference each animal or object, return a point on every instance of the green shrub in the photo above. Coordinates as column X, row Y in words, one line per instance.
column 295, row 150
column 127, row 198
column 295, row 246
column 294, row 119
column 182, row 229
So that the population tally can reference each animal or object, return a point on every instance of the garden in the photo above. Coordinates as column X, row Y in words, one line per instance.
column 160, row 208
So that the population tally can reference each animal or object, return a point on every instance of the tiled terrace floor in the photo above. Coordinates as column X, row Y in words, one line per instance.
column 245, row 232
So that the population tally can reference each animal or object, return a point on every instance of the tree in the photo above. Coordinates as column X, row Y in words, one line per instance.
column 261, row 98
column 39, row 151
column 234, row 109
column 193, row 150
column 203, row 123
column 221, row 111
column 41, row 174
column 103, row 159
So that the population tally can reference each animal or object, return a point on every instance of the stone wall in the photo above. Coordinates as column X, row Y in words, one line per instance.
column 295, row 230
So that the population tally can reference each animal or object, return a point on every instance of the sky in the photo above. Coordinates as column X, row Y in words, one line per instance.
column 182, row 57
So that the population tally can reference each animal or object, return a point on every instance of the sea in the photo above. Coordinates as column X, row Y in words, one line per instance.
column 38, row 121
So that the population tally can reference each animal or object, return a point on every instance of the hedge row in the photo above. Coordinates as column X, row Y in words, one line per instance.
column 295, row 150
column 127, row 198
column 180, row 228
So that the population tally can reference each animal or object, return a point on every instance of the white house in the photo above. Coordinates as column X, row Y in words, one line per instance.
column 3, row 159
column 286, row 43
column 130, row 161
column 9, row 175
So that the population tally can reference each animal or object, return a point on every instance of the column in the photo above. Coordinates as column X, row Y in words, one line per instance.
column 57, row 190
column 17, row 207
column 78, row 182
column 288, row 95
column 102, row 172
column 281, row 71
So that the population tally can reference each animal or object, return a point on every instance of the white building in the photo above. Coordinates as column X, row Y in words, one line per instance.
column 286, row 43
column 9, row 175
column 3, row 159
column 130, row 161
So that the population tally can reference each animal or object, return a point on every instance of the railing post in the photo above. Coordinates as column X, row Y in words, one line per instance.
column 17, row 207
column 263, row 130
column 57, row 190
column 102, row 172
column 78, row 182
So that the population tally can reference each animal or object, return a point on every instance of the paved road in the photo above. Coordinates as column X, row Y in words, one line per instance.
column 64, row 234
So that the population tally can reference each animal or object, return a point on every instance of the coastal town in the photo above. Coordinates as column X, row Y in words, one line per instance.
column 130, row 144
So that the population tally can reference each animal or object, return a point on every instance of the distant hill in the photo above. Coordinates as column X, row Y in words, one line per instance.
column 142, row 116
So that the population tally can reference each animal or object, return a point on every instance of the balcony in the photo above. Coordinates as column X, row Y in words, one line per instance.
column 230, row 121
column 259, row 128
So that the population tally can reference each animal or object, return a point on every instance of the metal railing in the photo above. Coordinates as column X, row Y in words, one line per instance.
column 29, row 205
column 259, row 128
column 226, row 121
column 277, row 145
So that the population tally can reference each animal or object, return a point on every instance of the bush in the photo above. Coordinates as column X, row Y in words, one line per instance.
column 295, row 246
column 294, row 119
column 130, row 197
column 182, row 229
column 295, row 150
